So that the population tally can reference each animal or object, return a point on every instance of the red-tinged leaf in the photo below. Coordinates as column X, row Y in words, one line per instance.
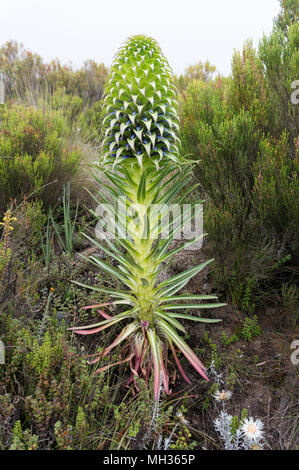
column 130, row 379
column 93, row 330
column 134, row 369
column 104, row 314
column 97, row 359
column 194, row 361
column 148, row 371
column 164, row 372
column 156, row 362
column 102, row 369
column 179, row 364
column 139, row 343
column 188, row 353
column 86, row 327
column 145, row 349
column 129, row 329
column 96, row 306
column 109, row 322
column 192, row 358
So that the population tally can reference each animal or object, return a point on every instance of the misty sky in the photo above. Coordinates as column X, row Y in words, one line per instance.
column 187, row 30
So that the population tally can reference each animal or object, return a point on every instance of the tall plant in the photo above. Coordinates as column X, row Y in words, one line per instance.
column 140, row 158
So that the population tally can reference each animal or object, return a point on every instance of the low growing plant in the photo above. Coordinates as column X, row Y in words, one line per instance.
column 65, row 233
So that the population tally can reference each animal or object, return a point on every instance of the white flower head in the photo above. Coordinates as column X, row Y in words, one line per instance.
column 252, row 429
column 182, row 418
column 224, row 395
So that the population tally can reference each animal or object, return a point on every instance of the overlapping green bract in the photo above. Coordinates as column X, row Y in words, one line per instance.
column 140, row 104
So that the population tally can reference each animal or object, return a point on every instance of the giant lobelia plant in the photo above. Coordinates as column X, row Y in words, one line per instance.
column 140, row 158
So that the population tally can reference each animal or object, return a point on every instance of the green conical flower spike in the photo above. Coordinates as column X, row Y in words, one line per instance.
column 141, row 107
column 140, row 157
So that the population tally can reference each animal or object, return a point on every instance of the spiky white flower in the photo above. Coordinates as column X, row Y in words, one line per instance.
column 224, row 395
column 242, row 437
column 252, row 429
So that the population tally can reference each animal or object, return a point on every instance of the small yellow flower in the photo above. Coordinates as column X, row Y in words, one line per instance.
column 52, row 289
column 7, row 218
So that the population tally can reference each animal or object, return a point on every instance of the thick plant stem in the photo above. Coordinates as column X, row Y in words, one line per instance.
column 140, row 231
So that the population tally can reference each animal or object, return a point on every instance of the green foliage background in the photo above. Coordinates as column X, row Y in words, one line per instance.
column 242, row 133
column 243, row 130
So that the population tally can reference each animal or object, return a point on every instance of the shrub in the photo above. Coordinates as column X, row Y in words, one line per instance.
column 37, row 155
column 248, row 181
column 248, row 90
column 200, row 71
column 27, row 77
column 276, row 191
column 31, row 220
column 279, row 54
column 52, row 381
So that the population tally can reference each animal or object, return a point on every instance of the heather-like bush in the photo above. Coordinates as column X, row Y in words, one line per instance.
column 227, row 149
column 27, row 77
column 245, row 172
column 200, row 71
column 53, row 383
column 276, row 190
column 37, row 155
column 248, row 90
column 279, row 54
column 61, row 404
